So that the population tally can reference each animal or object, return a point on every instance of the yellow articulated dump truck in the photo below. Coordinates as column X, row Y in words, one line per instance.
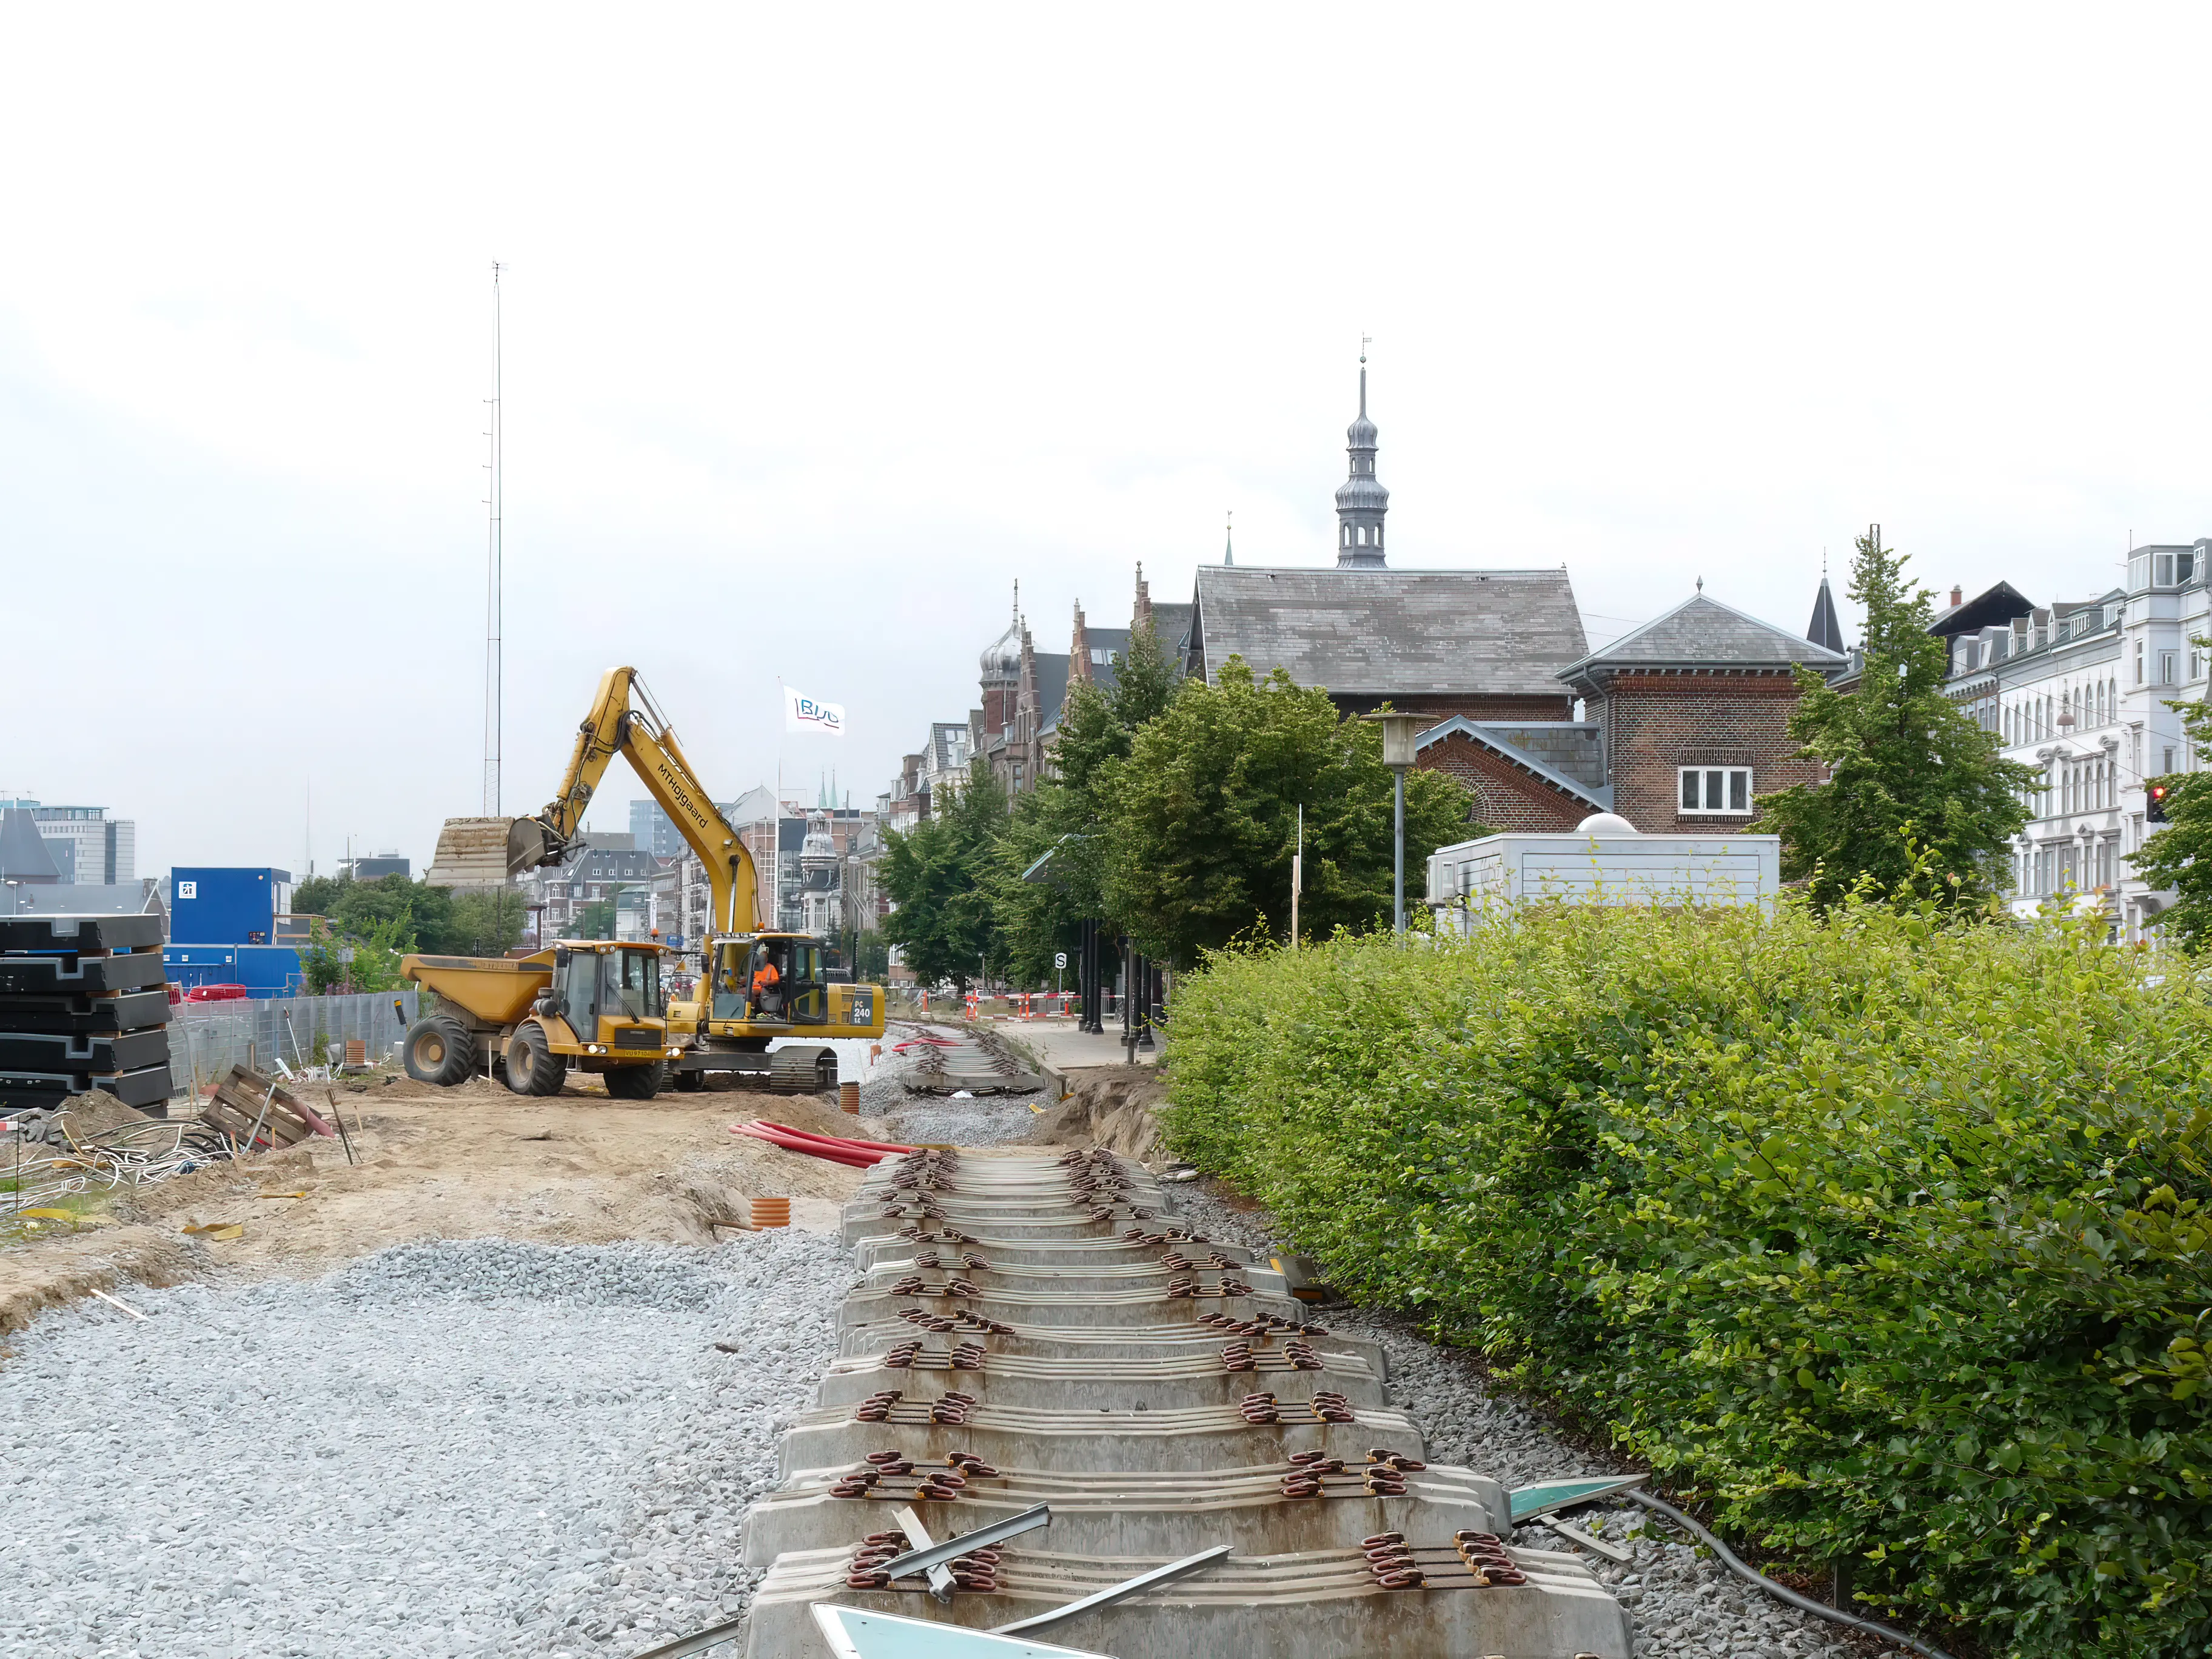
column 756, row 987
column 591, row 1005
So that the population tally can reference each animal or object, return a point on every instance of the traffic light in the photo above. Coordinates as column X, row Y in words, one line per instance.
column 2154, row 797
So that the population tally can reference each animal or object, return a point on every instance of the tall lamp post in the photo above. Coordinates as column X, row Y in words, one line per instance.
column 1399, row 731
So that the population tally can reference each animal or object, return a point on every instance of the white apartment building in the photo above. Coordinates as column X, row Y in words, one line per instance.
column 2079, row 691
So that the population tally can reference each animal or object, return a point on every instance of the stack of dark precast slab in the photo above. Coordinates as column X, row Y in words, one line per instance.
column 83, row 1006
column 1036, row 1327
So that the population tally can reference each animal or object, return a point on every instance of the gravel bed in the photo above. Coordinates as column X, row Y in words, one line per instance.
column 1685, row 1604
column 982, row 1120
column 446, row 1449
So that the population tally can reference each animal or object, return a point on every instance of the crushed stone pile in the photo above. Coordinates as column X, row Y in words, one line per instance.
column 447, row 1449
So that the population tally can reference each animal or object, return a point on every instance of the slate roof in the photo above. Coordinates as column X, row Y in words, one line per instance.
column 1110, row 643
column 1392, row 633
column 1052, row 687
column 1703, row 633
column 1991, row 608
column 1171, row 627
column 1499, row 744
column 24, row 856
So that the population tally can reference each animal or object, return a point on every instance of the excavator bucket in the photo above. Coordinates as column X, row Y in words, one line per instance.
column 476, row 852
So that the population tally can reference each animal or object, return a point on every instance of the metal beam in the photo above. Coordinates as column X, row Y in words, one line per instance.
column 1185, row 1568
column 928, row 1556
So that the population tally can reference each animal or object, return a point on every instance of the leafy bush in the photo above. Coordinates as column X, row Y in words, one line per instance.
column 1886, row 1232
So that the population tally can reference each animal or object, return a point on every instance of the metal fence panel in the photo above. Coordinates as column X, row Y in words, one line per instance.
column 207, row 1040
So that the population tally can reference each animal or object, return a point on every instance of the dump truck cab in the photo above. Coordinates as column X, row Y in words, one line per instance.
column 591, row 1006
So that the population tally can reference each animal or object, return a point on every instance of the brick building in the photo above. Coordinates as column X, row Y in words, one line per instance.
column 1533, row 776
column 1692, row 713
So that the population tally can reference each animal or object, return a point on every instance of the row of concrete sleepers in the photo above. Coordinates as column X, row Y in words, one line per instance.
column 1034, row 1328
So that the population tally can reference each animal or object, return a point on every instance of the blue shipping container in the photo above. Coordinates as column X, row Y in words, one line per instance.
column 265, row 971
column 215, row 905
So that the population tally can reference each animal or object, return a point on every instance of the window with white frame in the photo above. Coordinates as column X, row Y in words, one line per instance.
column 1715, row 791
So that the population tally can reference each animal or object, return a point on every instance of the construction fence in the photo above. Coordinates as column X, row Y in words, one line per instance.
column 206, row 1042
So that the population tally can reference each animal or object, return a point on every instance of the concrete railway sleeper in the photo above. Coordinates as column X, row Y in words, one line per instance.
column 1121, row 1431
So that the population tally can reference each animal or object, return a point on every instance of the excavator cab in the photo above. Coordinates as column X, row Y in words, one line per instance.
column 768, row 979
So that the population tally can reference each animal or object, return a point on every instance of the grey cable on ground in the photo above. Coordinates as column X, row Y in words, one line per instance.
column 1783, row 1592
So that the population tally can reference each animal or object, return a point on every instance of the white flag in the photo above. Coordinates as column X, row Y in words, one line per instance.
column 802, row 714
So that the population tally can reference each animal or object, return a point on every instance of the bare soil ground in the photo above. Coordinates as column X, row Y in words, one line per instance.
column 580, row 1167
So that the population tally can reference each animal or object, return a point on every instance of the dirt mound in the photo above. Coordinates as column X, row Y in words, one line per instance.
column 95, row 1114
column 1109, row 1106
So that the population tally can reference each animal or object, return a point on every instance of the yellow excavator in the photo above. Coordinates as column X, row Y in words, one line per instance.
column 755, row 986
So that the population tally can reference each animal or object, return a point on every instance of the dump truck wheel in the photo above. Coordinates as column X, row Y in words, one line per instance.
column 439, row 1049
column 689, row 1083
column 532, row 1068
column 636, row 1082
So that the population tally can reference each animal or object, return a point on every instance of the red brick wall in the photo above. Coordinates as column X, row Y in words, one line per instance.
column 1654, row 723
column 1505, row 797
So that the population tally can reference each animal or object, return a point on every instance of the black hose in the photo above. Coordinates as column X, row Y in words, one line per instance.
column 1783, row 1592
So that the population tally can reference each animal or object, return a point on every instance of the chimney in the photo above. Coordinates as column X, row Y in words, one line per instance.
column 1143, row 615
column 1958, row 595
column 1079, row 648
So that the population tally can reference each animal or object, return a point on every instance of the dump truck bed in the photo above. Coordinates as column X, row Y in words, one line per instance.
column 494, row 990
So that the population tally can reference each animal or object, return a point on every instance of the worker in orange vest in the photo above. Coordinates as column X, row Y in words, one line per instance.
column 766, row 979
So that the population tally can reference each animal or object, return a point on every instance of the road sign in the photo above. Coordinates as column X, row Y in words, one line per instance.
column 1060, row 959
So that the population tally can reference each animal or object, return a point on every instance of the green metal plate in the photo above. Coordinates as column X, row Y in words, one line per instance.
column 857, row 1633
column 1546, row 1496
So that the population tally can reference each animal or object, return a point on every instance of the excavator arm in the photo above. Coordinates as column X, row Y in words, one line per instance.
column 624, row 721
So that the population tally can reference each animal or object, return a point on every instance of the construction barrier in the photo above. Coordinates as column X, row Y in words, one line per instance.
column 206, row 1039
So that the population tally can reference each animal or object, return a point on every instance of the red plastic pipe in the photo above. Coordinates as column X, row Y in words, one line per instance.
column 854, row 1159
column 837, row 1140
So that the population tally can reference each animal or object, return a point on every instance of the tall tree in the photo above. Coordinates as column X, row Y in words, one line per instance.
column 1041, row 915
column 1916, row 799
column 938, row 876
column 1201, row 818
column 485, row 921
column 2179, row 856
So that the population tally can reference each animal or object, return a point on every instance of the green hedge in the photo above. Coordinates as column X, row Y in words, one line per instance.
column 1886, row 1234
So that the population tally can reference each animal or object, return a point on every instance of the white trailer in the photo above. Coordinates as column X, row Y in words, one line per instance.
column 1604, row 861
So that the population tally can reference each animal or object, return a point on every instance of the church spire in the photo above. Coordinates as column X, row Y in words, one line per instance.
column 1824, row 629
column 1361, row 502
column 1229, row 539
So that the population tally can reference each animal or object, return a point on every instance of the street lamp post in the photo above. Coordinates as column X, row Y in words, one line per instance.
column 1399, row 731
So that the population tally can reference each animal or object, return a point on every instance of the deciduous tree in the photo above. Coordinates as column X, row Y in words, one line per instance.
column 1201, row 818
column 1909, row 772
column 938, row 877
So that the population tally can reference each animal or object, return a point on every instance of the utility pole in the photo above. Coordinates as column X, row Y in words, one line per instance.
column 494, row 559
column 1298, row 874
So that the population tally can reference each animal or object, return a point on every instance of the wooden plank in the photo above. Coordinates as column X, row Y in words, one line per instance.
column 227, row 1119
column 301, row 1113
column 278, row 1125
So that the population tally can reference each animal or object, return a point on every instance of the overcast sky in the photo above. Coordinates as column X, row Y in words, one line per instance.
column 822, row 327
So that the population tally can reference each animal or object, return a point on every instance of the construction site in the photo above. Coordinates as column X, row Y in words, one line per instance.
column 588, row 1320
column 605, row 1312
column 462, row 1371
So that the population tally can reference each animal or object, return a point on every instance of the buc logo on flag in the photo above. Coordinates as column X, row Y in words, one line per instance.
column 803, row 713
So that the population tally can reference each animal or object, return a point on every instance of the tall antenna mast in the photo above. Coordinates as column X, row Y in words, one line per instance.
column 493, row 558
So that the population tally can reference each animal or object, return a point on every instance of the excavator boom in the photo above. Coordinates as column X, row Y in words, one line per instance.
column 624, row 721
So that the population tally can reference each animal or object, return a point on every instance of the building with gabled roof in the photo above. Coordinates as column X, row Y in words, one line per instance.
column 1487, row 644
column 1693, row 712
